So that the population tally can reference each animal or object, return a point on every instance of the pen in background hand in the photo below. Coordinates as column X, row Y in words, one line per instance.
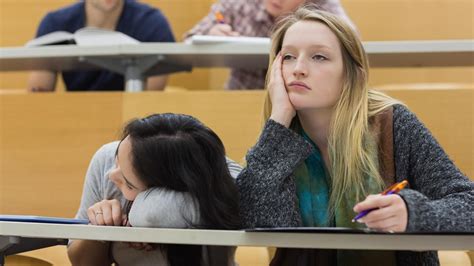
column 393, row 189
column 219, row 17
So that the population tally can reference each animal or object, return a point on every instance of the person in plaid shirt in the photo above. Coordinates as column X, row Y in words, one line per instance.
column 253, row 18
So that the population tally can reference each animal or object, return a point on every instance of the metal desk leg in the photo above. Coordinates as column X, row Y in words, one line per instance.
column 134, row 80
column 135, row 69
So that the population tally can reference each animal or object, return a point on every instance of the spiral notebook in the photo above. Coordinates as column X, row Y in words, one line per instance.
column 41, row 219
column 347, row 230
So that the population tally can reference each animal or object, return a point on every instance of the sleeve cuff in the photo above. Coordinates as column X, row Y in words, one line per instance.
column 414, row 201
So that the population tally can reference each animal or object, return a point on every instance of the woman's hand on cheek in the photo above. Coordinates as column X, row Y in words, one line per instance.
column 282, row 109
column 390, row 212
column 106, row 212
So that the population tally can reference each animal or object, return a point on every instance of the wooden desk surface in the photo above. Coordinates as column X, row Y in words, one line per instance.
column 241, row 238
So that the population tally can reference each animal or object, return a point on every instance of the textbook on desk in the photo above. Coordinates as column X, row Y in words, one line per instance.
column 88, row 36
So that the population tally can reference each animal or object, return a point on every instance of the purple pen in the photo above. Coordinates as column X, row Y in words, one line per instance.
column 364, row 213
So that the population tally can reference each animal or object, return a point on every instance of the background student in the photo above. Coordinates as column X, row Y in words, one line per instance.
column 137, row 20
column 169, row 170
column 330, row 145
column 253, row 18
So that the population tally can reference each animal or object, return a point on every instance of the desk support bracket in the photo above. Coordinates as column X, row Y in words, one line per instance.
column 5, row 243
column 135, row 70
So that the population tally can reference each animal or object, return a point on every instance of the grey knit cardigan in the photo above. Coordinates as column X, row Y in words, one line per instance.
column 440, row 197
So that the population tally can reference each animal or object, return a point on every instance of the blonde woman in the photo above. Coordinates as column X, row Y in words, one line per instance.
column 330, row 146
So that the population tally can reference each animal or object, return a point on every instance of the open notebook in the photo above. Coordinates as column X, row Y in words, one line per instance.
column 88, row 36
column 41, row 219
column 342, row 230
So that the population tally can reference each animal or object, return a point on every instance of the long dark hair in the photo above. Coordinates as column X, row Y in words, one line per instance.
column 180, row 153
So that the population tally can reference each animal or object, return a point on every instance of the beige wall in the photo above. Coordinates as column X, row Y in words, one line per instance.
column 376, row 20
column 47, row 140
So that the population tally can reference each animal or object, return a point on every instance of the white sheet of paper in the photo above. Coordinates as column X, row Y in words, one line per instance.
column 210, row 39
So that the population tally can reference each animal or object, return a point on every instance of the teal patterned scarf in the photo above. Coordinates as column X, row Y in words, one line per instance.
column 312, row 188
column 313, row 185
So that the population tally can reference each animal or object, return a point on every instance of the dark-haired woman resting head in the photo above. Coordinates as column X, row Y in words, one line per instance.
column 169, row 170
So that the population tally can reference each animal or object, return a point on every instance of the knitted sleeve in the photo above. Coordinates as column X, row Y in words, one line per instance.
column 160, row 207
column 440, row 197
column 266, row 186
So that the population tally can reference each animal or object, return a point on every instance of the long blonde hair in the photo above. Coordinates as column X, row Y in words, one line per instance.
column 351, row 147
